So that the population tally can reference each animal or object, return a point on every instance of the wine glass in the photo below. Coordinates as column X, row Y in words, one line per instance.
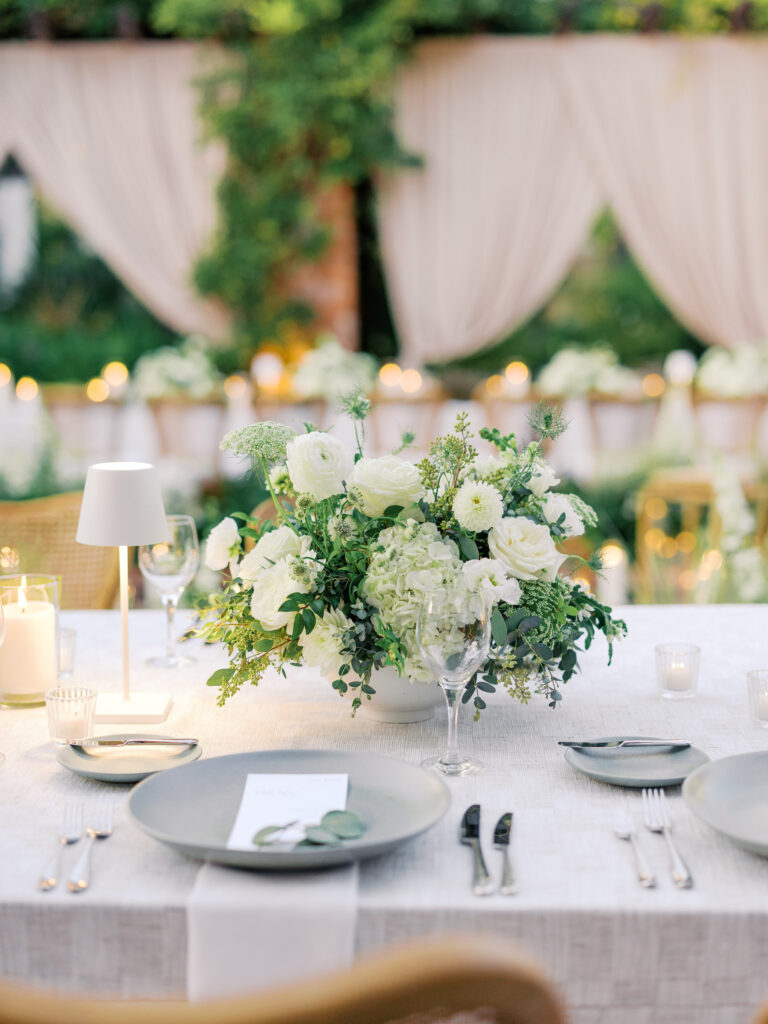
column 169, row 567
column 454, row 650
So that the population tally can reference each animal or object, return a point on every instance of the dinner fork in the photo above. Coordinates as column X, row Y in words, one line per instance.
column 71, row 831
column 624, row 827
column 99, row 827
column 656, row 815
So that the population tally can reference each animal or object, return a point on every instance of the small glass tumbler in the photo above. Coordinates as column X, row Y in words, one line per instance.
column 67, row 644
column 757, row 690
column 677, row 670
column 71, row 711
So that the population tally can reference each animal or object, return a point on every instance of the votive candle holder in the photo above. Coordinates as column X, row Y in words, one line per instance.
column 677, row 670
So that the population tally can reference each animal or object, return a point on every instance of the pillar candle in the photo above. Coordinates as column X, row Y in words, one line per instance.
column 28, row 652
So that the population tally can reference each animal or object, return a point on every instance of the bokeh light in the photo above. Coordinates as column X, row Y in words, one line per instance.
column 612, row 555
column 267, row 370
column 654, row 538
column 390, row 375
column 496, row 386
column 410, row 381
column 27, row 389
column 517, row 372
column 97, row 389
column 5, row 375
column 686, row 542
column 655, row 508
column 653, row 385
column 235, row 386
column 115, row 374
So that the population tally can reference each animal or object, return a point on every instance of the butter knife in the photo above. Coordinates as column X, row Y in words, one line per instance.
column 501, row 842
column 624, row 744
column 482, row 884
column 159, row 741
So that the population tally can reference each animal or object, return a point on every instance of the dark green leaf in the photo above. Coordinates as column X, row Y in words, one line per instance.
column 468, row 547
column 543, row 651
column 392, row 511
column 297, row 628
column 289, row 605
column 528, row 623
column 498, row 627
column 309, row 619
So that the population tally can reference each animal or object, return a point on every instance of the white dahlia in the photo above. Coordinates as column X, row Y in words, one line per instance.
column 477, row 506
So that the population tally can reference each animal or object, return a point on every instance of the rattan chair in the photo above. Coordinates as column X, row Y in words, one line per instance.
column 467, row 981
column 39, row 536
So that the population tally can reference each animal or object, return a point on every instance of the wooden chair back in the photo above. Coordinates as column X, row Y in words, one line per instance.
column 471, row 980
column 39, row 536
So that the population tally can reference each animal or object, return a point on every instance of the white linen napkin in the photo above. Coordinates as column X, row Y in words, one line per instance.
column 248, row 930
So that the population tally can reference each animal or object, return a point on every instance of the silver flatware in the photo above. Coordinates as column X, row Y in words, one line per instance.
column 482, row 884
column 624, row 827
column 156, row 741
column 99, row 826
column 501, row 836
column 71, row 831
column 656, row 816
column 622, row 744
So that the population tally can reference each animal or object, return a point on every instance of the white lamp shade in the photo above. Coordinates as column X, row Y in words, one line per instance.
column 122, row 505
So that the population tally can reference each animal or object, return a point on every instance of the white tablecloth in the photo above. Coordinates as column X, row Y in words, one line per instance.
column 618, row 952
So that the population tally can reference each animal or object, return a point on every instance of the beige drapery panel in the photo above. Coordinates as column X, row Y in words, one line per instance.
column 110, row 133
column 525, row 139
column 474, row 242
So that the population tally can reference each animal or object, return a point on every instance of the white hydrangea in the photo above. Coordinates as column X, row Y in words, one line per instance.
column 556, row 505
column 322, row 647
column 330, row 371
column 223, row 543
column 275, row 584
column 477, row 506
column 410, row 562
column 318, row 464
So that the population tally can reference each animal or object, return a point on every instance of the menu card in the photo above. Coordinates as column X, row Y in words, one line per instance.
column 276, row 799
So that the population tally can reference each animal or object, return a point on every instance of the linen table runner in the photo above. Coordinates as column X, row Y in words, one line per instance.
column 248, row 930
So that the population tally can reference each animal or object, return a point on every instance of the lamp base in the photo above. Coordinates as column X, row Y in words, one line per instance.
column 146, row 708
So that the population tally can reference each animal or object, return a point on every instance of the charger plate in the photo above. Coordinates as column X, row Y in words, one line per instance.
column 731, row 796
column 635, row 768
column 125, row 764
column 193, row 808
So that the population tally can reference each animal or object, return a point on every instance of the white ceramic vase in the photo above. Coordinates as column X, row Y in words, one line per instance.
column 398, row 700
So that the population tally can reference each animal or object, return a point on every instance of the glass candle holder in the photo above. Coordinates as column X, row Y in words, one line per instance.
column 757, row 692
column 677, row 670
column 71, row 711
column 29, row 660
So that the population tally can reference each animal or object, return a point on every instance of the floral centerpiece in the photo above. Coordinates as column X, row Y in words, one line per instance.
column 336, row 580
column 733, row 373
column 330, row 371
column 578, row 371
column 184, row 371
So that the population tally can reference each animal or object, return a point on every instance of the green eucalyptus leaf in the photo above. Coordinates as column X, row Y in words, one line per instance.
column 344, row 824
column 468, row 547
column 528, row 623
column 319, row 836
column 498, row 627
column 220, row 676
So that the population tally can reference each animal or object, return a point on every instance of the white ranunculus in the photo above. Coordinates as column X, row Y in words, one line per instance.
column 221, row 540
column 322, row 647
column 318, row 464
column 386, row 481
column 274, row 586
column 277, row 544
column 556, row 505
column 525, row 548
column 543, row 478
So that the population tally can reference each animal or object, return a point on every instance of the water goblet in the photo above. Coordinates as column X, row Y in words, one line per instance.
column 454, row 644
column 170, row 567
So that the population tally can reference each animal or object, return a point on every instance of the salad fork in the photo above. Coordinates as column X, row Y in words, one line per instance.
column 624, row 828
column 656, row 815
column 99, row 827
column 71, row 831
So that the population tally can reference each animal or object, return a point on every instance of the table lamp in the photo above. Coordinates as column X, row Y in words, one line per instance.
column 122, row 507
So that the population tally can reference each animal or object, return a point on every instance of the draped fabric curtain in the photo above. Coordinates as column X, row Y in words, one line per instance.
column 474, row 242
column 524, row 140
column 677, row 132
column 110, row 134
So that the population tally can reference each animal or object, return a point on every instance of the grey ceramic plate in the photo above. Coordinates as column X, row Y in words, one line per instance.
column 731, row 795
column 630, row 768
column 125, row 764
column 193, row 809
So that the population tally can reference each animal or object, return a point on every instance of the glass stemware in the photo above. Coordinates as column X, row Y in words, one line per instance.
column 454, row 650
column 170, row 567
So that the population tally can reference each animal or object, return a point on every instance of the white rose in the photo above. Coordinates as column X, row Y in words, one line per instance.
column 556, row 505
column 543, row 478
column 322, row 647
column 318, row 464
column 275, row 585
column 384, row 482
column 526, row 548
column 273, row 546
column 221, row 540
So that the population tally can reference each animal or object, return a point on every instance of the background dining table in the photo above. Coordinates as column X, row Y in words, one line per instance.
column 618, row 952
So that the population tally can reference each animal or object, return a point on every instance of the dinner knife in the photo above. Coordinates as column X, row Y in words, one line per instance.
column 501, row 842
column 482, row 884
column 623, row 744
column 135, row 741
